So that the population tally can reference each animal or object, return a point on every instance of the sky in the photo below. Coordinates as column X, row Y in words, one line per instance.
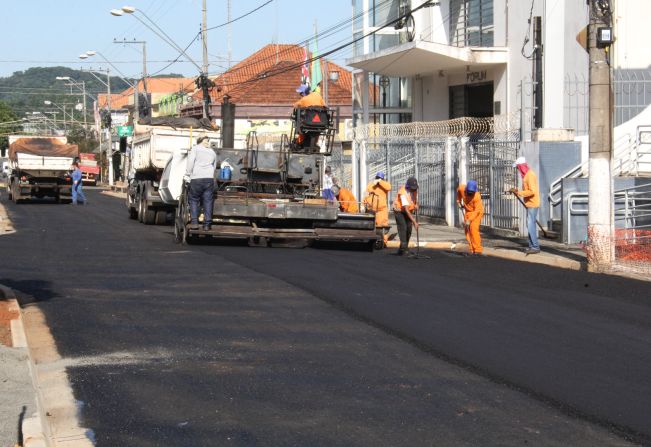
column 45, row 33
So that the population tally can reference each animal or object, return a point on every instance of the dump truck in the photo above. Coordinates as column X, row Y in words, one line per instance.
column 272, row 196
column 39, row 166
column 89, row 169
column 153, row 144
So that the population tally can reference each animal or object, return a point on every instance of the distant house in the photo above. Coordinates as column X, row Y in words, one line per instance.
column 263, row 87
column 165, row 94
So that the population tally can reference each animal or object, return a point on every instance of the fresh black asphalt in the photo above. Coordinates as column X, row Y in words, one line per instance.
column 222, row 344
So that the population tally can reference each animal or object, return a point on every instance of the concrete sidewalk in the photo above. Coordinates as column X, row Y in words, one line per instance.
column 440, row 237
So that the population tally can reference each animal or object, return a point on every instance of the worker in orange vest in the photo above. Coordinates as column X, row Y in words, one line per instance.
column 406, row 203
column 308, row 99
column 347, row 201
column 469, row 200
column 531, row 194
column 376, row 200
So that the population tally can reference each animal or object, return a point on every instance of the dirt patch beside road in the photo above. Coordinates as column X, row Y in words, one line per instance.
column 8, row 312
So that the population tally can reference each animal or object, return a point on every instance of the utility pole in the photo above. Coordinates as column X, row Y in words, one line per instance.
column 600, row 182
column 204, row 82
column 83, row 90
column 109, row 152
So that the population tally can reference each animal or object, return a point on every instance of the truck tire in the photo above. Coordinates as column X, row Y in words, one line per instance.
column 148, row 216
column 15, row 195
column 161, row 217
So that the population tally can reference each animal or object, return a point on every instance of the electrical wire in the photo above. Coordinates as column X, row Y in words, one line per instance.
column 527, row 37
column 240, row 17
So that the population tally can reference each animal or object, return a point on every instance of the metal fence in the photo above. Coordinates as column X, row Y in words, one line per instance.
column 631, row 88
column 341, row 163
column 400, row 159
column 490, row 163
column 466, row 148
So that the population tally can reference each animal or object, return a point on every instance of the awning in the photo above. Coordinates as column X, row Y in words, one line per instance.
column 423, row 58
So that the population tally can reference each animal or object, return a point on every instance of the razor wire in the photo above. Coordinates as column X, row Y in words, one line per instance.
column 504, row 126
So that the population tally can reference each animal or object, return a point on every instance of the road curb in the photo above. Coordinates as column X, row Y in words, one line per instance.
column 503, row 253
column 32, row 428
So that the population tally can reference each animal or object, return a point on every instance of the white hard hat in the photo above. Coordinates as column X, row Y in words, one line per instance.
column 519, row 161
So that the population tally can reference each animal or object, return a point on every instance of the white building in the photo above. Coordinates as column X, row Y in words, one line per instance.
column 474, row 58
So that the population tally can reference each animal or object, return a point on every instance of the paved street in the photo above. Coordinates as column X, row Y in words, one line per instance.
column 229, row 345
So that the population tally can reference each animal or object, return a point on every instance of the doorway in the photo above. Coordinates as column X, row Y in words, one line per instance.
column 471, row 100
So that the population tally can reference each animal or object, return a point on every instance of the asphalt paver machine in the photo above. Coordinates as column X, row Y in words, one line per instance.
column 274, row 195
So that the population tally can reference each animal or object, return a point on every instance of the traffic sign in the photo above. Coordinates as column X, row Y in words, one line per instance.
column 125, row 131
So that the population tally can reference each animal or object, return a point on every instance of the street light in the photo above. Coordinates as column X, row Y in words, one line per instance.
column 203, row 82
column 77, row 84
column 384, row 83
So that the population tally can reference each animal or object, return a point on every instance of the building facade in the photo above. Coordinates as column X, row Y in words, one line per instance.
column 453, row 58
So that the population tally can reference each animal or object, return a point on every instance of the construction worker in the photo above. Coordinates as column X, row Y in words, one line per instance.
column 347, row 201
column 469, row 200
column 406, row 203
column 308, row 99
column 376, row 200
column 531, row 194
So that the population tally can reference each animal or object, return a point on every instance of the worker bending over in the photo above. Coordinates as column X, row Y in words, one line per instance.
column 376, row 200
column 404, row 205
column 347, row 201
column 469, row 200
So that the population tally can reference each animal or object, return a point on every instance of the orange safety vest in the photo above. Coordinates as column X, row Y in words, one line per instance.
column 397, row 203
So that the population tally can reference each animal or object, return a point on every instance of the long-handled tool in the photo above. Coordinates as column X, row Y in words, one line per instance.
column 417, row 255
column 522, row 202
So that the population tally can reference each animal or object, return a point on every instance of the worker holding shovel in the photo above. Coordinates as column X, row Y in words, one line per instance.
column 531, row 195
column 469, row 200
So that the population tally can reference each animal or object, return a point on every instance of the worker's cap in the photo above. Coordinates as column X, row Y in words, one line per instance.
column 303, row 89
column 335, row 190
column 519, row 161
column 380, row 174
column 471, row 186
column 412, row 184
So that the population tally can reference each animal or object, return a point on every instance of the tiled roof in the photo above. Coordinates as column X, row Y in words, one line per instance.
column 154, row 86
column 271, row 76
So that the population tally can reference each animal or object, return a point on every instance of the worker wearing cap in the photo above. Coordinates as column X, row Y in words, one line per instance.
column 469, row 200
column 531, row 195
column 376, row 200
column 347, row 200
column 406, row 203
column 308, row 99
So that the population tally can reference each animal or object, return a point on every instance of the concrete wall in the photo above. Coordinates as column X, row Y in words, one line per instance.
column 632, row 34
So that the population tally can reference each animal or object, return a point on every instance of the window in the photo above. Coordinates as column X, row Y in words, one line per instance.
column 471, row 23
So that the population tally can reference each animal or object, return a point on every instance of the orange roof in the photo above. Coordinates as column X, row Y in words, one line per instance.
column 271, row 76
column 154, row 85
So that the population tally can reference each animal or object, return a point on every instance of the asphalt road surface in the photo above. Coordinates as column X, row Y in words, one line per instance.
column 218, row 344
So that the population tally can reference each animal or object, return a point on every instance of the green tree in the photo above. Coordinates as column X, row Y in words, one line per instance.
column 7, row 115
column 83, row 138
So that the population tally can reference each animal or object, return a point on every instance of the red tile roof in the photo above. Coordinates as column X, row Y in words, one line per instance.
column 271, row 76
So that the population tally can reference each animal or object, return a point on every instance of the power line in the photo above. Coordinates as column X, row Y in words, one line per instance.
column 240, row 17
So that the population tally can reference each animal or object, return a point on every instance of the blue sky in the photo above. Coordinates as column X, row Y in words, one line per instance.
column 41, row 33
